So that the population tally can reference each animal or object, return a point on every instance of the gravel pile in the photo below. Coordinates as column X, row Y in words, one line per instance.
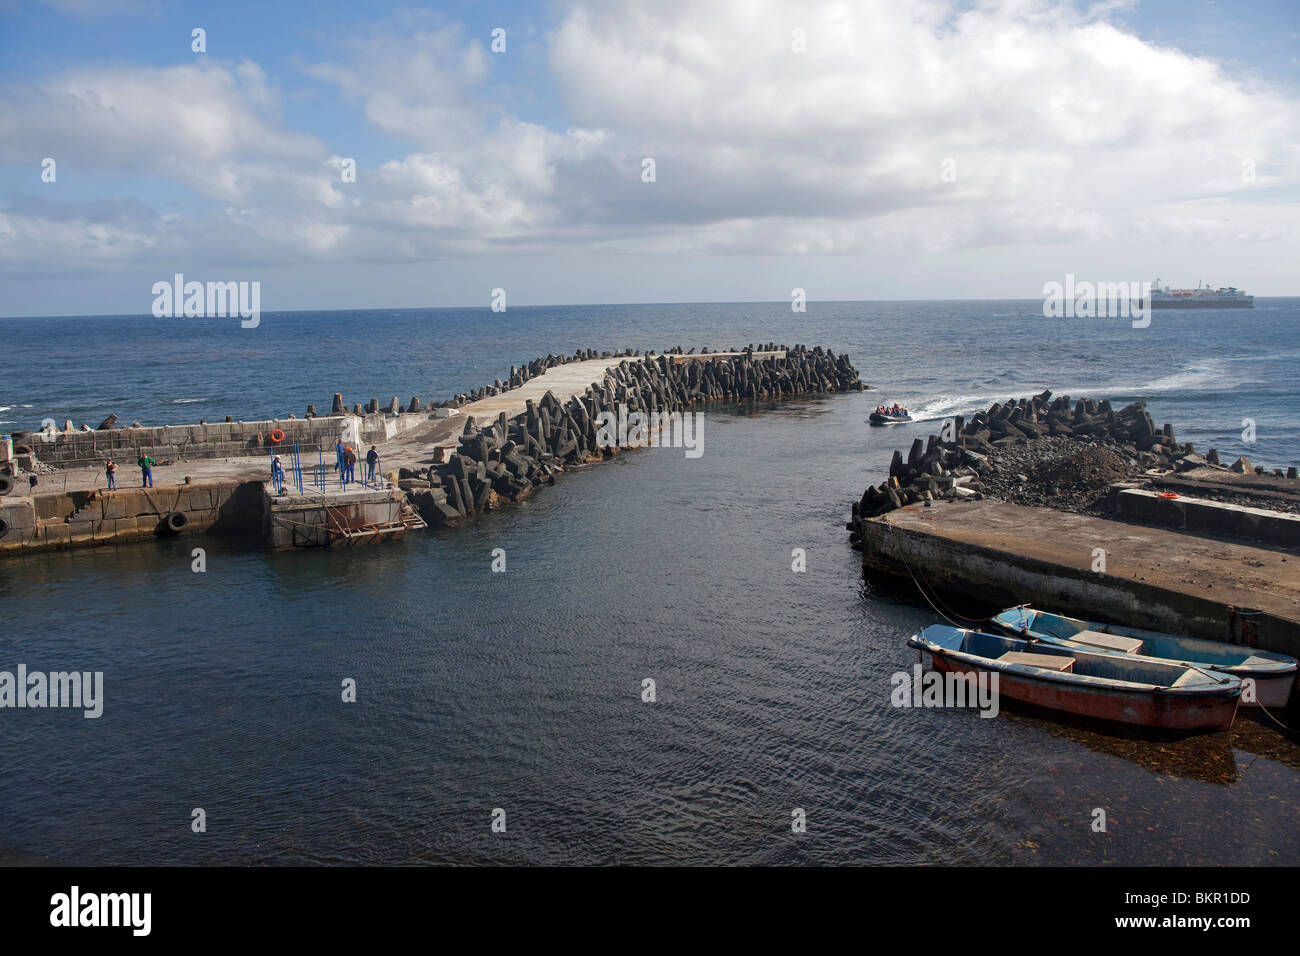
column 1060, row 473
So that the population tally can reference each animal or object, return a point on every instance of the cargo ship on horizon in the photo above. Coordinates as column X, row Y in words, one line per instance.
column 1202, row 297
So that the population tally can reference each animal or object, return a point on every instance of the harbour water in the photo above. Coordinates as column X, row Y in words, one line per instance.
column 523, row 690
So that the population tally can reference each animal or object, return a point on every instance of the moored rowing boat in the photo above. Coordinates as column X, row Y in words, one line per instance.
column 1141, row 691
column 1272, row 675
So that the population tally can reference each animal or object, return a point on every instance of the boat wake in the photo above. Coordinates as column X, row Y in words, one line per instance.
column 1210, row 375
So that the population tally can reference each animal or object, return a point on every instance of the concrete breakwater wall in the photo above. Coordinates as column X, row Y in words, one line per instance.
column 83, row 449
column 368, row 424
column 1193, row 514
column 509, row 457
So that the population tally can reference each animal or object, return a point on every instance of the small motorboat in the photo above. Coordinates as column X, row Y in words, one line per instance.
column 1115, row 687
column 881, row 418
column 1273, row 675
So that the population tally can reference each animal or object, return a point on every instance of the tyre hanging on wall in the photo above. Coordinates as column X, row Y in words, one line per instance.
column 176, row 522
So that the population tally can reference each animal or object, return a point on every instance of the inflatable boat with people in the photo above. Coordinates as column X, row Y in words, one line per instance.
column 887, row 415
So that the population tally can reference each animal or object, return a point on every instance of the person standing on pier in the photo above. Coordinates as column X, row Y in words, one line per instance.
column 349, row 465
column 146, row 470
column 110, row 472
column 372, row 464
column 277, row 474
column 338, row 464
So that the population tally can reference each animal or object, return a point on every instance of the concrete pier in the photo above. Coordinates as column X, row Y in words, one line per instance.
column 998, row 554
column 433, row 465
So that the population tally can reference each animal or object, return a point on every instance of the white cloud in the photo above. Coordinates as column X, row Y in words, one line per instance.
column 209, row 127
column 416, row 85
column 1059, row 125
column 1063, row 128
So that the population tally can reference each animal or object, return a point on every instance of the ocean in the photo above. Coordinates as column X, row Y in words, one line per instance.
column 522, row 691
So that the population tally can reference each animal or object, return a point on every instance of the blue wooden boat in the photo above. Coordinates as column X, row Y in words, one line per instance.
column 1116, row 687
column 1274, row 675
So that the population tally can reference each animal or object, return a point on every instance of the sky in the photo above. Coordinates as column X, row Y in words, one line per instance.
column 855, row 150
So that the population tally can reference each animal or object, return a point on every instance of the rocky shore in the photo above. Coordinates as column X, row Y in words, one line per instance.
column 1045, row 452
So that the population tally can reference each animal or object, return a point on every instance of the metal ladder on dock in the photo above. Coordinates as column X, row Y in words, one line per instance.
column 407, row 520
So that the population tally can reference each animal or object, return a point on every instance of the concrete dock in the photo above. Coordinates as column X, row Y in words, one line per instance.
column 88, row 516
column 246, row 508
column 993, row 554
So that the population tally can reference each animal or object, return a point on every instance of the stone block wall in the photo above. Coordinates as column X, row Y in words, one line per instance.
column 78, row 518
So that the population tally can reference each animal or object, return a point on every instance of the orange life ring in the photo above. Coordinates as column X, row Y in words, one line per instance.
column 277, row 436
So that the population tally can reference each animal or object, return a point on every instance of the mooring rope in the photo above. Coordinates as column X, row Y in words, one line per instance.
column 974, row 620
column 1289, row 730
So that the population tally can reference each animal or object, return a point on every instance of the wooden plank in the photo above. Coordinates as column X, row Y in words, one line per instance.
column 1048, row 662
column 1111, row 642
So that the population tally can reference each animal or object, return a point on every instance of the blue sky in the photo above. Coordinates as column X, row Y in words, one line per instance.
column 1109, row 141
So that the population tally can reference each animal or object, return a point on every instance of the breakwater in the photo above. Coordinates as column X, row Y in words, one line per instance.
column 508, row 458
column 993, row 452
column 447, row 460
column 166, row 443
column 525, row 373
column 85, row 446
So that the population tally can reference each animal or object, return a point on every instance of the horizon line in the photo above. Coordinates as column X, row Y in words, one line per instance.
column 543, row 305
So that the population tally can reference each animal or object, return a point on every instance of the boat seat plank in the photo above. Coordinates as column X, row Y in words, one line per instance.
column 1050, row 662
column 1111, row 642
